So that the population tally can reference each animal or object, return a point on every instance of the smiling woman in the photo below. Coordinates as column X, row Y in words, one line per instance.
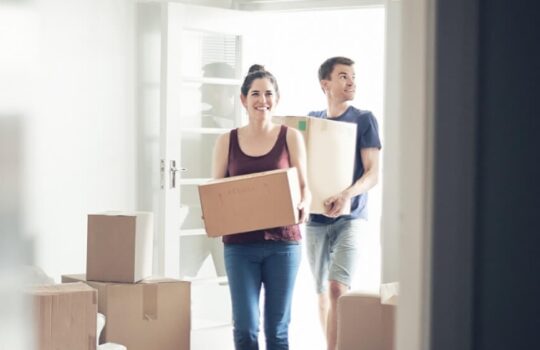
column 267, row 257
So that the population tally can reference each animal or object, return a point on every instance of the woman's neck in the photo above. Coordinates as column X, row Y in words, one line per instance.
column 260, row 127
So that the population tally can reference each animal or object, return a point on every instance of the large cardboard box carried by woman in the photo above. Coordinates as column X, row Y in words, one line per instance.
column 250, row 202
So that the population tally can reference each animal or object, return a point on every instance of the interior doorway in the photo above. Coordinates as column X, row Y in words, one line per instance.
column 292, row 45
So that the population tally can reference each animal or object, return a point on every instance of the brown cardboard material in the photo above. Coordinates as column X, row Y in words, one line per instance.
column 330, row 147
column 364, row 323
column 65, row 316
column 250, row 202
column 119, row 247
column 152, row 314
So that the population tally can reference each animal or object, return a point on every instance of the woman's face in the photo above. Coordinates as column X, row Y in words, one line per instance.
column 261, row 99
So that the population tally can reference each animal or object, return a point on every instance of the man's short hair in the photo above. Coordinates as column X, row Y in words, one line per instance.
column 325, row 70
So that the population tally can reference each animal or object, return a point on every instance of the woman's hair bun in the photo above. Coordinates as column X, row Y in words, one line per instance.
column 256, row 68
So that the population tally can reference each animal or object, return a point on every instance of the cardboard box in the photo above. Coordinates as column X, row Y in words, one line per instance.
column 65, row 316
column 250, row 202
column 330, row 147
column 151, row 314
column 119, row 247
column 364, row 323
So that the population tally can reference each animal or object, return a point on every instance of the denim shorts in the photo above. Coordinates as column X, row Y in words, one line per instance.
column 332, row 251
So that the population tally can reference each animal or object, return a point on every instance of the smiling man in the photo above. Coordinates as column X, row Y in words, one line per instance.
column 333, row 238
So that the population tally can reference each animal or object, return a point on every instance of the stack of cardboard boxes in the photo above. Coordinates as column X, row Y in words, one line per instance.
column 141, row 312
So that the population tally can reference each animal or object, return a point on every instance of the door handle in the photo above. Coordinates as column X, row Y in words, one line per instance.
column 172, row 173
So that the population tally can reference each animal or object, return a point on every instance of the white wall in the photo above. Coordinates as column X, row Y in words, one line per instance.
column 73, row 88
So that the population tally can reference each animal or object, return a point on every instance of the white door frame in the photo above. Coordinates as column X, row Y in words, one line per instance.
column 416, row 174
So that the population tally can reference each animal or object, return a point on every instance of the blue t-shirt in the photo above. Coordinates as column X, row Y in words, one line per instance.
column 367, row 136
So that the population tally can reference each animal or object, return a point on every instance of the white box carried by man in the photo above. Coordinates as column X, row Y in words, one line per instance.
column 330, row 147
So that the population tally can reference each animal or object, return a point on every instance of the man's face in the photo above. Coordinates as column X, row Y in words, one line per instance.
column 341, row 86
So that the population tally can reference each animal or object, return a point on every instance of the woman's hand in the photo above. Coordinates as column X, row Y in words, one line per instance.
column 303, row 207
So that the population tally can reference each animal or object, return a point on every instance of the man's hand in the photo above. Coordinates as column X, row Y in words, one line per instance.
column 336, row 205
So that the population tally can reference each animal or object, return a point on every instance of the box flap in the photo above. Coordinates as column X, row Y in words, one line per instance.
column 243, row 177
column 57, row 289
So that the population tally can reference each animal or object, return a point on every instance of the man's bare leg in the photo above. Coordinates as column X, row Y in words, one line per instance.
column 324, row 303
column 336, row 290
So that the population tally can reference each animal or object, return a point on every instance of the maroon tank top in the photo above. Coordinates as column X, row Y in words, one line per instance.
column 240, row 164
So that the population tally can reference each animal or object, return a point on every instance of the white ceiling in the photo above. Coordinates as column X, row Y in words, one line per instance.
column 278, row 5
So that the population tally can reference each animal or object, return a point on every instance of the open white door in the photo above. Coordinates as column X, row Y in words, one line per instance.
column 201, row 69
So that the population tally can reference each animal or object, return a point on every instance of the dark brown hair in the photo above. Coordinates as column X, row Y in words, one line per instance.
column 257, row 71
column 325, row 70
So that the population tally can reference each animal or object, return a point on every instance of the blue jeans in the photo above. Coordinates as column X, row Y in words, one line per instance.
column 249, row 266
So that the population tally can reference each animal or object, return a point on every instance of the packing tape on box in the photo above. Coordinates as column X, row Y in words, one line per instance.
column 150, row 292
